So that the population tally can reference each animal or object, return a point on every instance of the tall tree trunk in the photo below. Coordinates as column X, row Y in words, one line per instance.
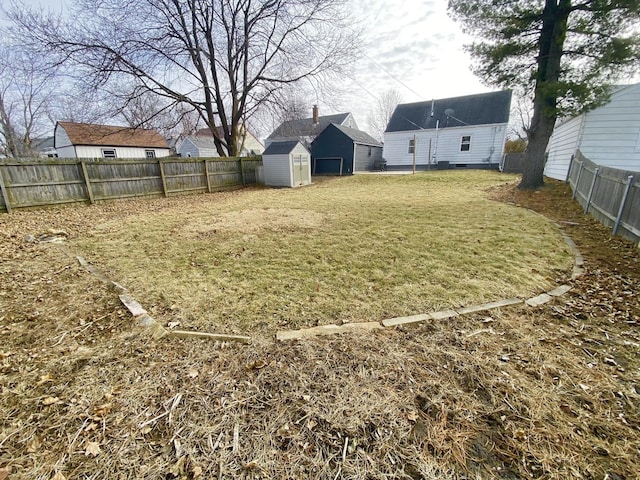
column 551, row 43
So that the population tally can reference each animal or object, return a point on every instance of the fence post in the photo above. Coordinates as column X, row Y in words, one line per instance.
column 622, row 203
column 87, row 183
column 164, row 181
column 593, row 187
column 242, row 170
column 575, row 185
column 569, row 169
column 5, row 195
column 206, row 172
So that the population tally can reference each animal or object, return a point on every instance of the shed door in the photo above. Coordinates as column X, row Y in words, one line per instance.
column 300, row 169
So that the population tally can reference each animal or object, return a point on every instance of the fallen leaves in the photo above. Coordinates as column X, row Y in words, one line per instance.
column 51, row 401
column 92, row 448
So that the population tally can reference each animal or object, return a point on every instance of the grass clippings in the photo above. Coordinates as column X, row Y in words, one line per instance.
column 547, row 392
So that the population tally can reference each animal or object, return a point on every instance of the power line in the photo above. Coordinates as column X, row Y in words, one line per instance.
column 394, row 77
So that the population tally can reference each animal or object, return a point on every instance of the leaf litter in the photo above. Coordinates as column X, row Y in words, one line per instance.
column 430, row 401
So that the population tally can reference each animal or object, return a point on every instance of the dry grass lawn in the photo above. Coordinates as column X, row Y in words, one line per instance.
column 543, row 393
column 362, row 248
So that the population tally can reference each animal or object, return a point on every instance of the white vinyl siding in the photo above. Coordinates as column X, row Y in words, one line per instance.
column 488, row 146
column 83, row 151
column 562, row 146
column 607, row 135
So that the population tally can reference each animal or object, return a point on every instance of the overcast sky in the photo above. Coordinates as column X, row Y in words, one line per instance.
column 413, row 41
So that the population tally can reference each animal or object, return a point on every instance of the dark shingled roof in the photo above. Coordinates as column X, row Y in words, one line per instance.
column 305, row 127
column 280, row 148
column 481, row 109
column 358, row 136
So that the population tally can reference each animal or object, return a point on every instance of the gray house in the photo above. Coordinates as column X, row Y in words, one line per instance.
column 306, row 130
column 286, row 164
column 340, row 150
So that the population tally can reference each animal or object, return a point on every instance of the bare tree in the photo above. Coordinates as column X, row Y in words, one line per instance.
column 382, row 110
column 223, row 58
column 26, row 90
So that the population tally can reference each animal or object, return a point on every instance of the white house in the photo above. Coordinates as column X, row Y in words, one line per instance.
column 201, row 144
column 286, row 164
column 306, row 130
column 608, row 135
column 85, row 140
column 456, row 132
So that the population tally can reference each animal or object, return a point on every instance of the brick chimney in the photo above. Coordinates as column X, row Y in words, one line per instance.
column 316, row 118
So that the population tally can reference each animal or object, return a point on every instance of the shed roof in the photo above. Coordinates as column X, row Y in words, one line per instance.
column 358, row 136
column 281, row 148
column 480, row 109
column 305, row 126
column 110, row 135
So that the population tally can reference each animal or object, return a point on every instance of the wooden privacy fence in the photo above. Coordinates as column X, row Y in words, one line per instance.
column 30, row 183
column 610, row 195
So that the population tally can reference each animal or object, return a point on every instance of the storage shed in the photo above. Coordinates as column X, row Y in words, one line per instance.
column 340, row 150
column 286, row 164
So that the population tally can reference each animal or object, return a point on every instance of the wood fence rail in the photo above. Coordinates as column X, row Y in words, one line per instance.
column 34, row 182
column 610, row 195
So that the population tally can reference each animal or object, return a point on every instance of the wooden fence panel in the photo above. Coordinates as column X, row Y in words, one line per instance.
column 181, row 176
column 35, row 182
column 32, row 183
column 610, row 193
column 224, row 174
column 123, row 178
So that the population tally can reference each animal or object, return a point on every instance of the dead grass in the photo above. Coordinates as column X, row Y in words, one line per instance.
column 352, row 249
column 551, row 392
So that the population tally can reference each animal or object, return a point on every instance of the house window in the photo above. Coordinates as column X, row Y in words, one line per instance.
column 465, row 144
column 412, row 146
column 109, row 153
column 150, row 153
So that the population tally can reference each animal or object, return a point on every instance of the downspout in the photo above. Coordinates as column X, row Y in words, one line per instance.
column 435, row 148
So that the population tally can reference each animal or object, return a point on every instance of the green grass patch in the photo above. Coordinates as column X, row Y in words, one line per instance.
column 358, row 248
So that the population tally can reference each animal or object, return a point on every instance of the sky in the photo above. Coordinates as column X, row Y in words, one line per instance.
column 409, row 45
column 413, row 47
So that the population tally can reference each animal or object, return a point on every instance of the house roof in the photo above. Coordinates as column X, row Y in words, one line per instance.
column 113, row 136
column 358, row 136
column 202, row 141
column 280, row 148
column 480, row 109
column 305, row 126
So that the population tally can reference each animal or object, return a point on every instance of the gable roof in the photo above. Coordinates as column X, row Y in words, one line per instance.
column 281, row 148
column 305, row 126
column 202, row 141
column 358, row 136
column 480, row 109
column 112, row 136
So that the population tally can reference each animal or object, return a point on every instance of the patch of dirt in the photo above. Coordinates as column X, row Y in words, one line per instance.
column 252, row 221
column 551, row 392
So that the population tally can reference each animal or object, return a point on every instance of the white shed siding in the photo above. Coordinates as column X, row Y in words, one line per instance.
column 562, row 145
column 487, row 145
column 85, row 151
column 66, row 152
column 277, row 170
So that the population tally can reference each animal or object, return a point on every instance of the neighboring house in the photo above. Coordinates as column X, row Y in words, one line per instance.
column 286, row 164
column 307, row 129
column 456, row 132
column 201, row 144
column 341, row 150
column 85, row 140
column 45, row 148
column 608, row 135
